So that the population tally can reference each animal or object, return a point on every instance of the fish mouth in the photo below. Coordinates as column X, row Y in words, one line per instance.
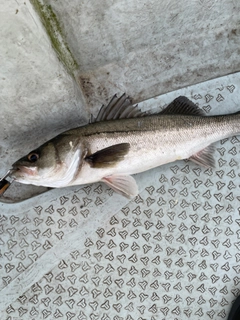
column 22, row 171
column 15, row 173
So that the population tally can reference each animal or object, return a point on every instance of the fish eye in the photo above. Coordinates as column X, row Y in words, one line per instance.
column 33, row 157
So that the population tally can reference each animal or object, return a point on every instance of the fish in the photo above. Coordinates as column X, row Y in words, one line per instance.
column 122, row 141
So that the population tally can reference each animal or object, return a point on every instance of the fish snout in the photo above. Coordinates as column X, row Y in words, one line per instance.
column 22, row 171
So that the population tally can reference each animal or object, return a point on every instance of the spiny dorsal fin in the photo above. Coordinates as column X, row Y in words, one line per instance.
column 108, row 157
column 182, row 105
column 118, row 108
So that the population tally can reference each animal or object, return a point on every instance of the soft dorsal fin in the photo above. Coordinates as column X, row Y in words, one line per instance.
column 182, row 105
column 118, row 108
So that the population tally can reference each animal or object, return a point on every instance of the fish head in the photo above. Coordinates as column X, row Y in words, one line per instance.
column 36, row 165
column 53, row 164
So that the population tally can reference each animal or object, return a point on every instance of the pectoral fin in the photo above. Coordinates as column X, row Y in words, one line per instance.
column 204, row 157
column 123, row 184
column 108, row 157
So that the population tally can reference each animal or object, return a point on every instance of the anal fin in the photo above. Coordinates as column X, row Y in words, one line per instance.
column 123, row 184
column 204, row 157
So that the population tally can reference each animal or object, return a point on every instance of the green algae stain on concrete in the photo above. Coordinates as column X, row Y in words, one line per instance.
column 54, row 31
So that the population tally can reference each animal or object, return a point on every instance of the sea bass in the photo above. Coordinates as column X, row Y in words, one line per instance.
column 122, row 141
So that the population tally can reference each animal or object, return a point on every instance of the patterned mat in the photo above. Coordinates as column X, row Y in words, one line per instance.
column 172, row 252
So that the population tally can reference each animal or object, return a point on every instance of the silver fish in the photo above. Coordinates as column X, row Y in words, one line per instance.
column 122, row 141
